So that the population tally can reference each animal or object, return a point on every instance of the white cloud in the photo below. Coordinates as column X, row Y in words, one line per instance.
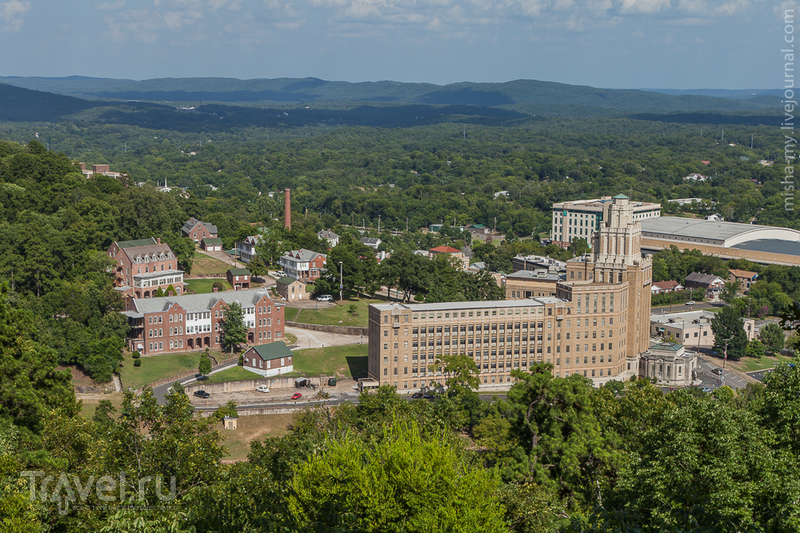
column 108, row 6
column 644, row 6
column 12, row 14
column 146, row 25
column 711, row 8
column 230, row 5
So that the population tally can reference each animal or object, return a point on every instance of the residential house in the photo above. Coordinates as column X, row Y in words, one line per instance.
column 239, row 278
column 246, row 249
column 303, row 264
column 715, row 217
column 210, row 244
column 455, row 253
column 661, row 287
column 268, row 359
column 194, row 321
column 694, row 176
column 710, row 283
column 291, row 289
column 143, row 266
column 372, row 242
column 745, row 277
column 197, row 230
column 328, row 235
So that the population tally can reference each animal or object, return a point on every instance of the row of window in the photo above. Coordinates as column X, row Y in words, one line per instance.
column 155, row 269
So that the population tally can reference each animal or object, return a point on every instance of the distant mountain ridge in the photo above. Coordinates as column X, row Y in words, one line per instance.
column 306, row 90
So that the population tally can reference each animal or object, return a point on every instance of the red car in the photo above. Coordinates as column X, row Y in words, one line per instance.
column 296, row 396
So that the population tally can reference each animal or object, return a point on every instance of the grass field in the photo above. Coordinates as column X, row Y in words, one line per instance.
column 254, row 427
column 90, row 402
column 204, row 285
column 333, row 316
column 160, row 366
column 748, row 364
column 236, row 373
column 204, row 264
column 341, row 361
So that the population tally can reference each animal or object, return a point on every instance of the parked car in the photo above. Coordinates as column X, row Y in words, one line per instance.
column 707, row 389
column 324, row 298
column 691, row 302
column 201, row 394
column 262, row 388
column 717, row 371
column 296, row 396
column 281, row 273
column 417, row 395
column 429, row 396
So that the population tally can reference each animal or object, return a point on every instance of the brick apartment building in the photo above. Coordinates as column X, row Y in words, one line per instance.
column 596, row 325
column 194, row 321
column 143, row 266
column 303, row 264
column 198, row 230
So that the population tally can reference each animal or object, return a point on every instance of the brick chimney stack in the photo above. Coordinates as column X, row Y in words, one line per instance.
column 158, row 240
column 287, row 210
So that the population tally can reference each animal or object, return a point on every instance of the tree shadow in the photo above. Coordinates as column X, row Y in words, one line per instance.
column 358, row 366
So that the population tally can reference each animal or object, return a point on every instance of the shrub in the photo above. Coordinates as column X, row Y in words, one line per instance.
column 137, row 362
column 218, row 285
column 136, row 355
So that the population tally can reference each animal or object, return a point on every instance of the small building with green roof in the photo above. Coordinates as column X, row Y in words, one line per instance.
column 268, row 360
column 211, row 244
column 239, row 278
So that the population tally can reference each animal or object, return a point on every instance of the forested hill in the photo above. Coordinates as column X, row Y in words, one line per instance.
column 512, row 93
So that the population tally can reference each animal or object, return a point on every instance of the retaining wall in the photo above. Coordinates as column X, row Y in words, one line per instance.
column 341, row 330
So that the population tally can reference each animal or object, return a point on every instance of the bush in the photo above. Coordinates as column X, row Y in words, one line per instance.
column 136, row 355
column 137, row 362
column 241, row 360
column 218, row 285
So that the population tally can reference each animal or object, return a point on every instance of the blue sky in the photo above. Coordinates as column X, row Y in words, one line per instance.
column 732, row 44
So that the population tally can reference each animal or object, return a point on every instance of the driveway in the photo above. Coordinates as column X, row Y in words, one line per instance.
column 222, row 256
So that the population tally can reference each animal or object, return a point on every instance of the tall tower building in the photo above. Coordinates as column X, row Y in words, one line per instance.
column 597, row 325
column 287, row 210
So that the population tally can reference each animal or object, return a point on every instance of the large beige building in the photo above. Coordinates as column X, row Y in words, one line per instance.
column 596, row 325
column 581, row 218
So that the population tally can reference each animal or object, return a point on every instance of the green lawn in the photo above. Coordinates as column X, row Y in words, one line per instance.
column 342, row 361
column 204, row 264
column 236, row 373
column 333, row 316
column 160, row 366
column 290, row 313
column 748, row 364
column 204, row 285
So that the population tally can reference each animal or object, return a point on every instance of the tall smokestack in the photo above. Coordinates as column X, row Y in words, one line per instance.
column 287, row 210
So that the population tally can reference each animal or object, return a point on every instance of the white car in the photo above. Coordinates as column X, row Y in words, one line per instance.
column 262, row 388
column 324, row 298
column 691, row 302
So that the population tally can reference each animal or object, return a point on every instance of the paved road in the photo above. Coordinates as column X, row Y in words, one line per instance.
column 759, row 374
column 307, row 338
column 160, row 392
column 713, row 381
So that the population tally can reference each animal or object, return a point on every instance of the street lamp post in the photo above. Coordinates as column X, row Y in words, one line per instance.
column 341, row 282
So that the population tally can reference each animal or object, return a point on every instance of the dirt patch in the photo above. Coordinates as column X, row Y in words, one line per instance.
column 85, row 384
column 254, row 427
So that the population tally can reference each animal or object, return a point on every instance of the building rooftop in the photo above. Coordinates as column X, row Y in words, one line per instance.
column 466, row 306
column 152, row 275
column 199, row 302
column 273, row 350
column 286, row 280
column 537, row 274
column 681, row 318
column 212, row 240
column 725, row 234
column 137, row 243
column 445, row 250
column 667, row 346
column 239, row 271
column 743, row 273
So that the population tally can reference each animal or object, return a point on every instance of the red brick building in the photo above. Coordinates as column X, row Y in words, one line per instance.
column 143, row 266
column 198, row 230
column 194, row 321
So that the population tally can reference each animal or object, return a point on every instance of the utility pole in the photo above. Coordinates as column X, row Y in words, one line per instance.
column 379, row 224
column 341, row 283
